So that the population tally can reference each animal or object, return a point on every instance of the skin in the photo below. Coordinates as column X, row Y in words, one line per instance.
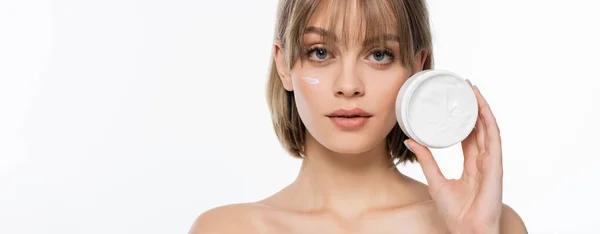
column 347, row 182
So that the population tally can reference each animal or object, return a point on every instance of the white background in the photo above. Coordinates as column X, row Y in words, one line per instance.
column 135, row 116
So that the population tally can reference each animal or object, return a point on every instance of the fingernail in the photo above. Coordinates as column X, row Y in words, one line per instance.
column 468, row 81
column 407, row 146
column 475, row 86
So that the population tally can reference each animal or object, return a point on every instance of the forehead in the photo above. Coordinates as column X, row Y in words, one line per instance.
column 351, row 21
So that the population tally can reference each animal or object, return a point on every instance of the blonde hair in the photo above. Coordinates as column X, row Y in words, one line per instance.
column 411, row 18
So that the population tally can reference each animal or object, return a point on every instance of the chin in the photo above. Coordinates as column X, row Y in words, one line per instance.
column 350, row 143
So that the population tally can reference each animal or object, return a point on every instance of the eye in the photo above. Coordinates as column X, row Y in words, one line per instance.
column 318, row 53
column 382, row 56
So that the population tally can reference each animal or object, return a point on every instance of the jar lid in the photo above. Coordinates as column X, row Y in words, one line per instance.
column 436, row 108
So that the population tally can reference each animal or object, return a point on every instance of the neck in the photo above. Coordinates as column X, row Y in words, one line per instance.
column 348, row 184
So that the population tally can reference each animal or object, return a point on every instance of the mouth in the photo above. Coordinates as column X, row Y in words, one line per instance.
column 352, row 113
column 349, row 119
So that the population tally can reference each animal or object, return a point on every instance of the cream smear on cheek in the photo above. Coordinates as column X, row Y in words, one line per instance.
column 311, row 80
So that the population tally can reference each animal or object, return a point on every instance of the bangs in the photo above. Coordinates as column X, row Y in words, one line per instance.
column 360, row 21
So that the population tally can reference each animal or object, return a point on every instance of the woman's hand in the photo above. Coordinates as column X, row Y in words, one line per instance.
column 473, row 203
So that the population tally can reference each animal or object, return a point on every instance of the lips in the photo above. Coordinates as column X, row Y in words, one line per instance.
column 356, row 112
column 349, row 119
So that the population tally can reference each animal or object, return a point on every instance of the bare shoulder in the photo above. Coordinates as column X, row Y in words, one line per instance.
column 511, row 222
column 234, row 218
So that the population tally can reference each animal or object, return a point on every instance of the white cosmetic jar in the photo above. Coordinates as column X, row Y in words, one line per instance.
column 436, row 108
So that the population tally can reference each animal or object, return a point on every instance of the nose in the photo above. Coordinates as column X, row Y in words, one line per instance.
column 349, row 84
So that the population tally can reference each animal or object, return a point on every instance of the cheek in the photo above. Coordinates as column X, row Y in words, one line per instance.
column 312, row 83
column 384, row 91
column 387, row 101
column 309, row 93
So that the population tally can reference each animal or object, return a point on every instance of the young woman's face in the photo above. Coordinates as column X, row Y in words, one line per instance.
column 361, row 79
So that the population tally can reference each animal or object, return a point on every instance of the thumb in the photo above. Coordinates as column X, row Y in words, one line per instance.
column 430, row 168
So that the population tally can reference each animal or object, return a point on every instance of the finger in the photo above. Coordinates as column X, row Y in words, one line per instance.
column 492, row 132
column 470, row 152
column 480, row 133
column 479, row 130
column 469, row 144
column 432, row 172
column 480, row 124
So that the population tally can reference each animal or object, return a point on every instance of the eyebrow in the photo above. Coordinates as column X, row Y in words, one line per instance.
column 370, row 40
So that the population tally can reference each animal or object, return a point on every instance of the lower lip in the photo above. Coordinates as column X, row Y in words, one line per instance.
column 349, row 123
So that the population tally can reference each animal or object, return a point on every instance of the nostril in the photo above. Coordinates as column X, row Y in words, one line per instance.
column 349, row 93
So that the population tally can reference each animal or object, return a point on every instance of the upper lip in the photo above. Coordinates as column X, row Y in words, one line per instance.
column 355, row 112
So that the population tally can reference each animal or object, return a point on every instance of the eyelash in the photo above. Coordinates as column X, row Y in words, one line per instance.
column 385, row 51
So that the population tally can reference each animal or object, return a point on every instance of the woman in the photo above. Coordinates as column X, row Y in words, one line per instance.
column 337, row 68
